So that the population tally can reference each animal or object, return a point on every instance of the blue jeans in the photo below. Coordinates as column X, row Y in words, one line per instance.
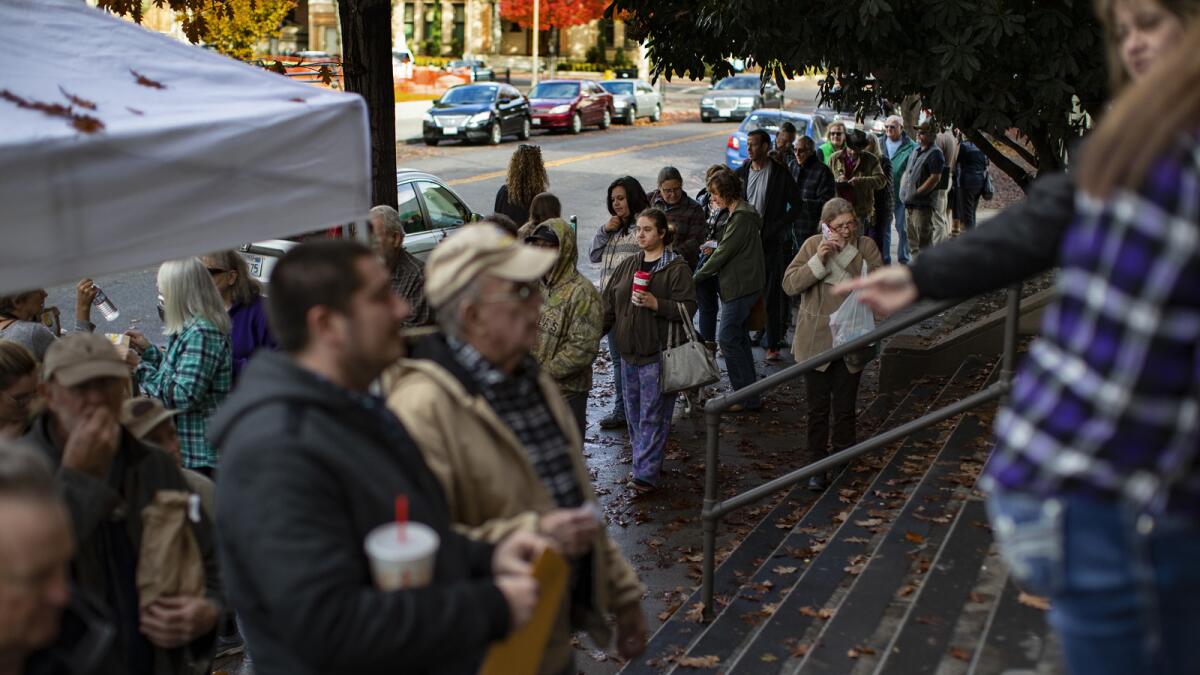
column 883, row 221
column 619, row 402
column 707, row 301
column 734, row 338
column 902, row 244
column 1125, row 588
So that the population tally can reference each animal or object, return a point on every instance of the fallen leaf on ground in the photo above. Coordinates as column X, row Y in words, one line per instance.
column 798, row 650
column 1034, row 601
column 869, row 522
column 784, row 570
column 808, row 611
column 826, row 613
column 769, row 658
column 907, row 590
column 695, row 613
column 960, row 653
column 857, row 540
column 711, row 661
column 769, row 608
column 914, row 537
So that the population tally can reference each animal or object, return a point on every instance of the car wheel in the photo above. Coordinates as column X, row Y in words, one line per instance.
column 657, row 113
column 630, row 116
column 526, row 129
column 431, row 141
column 704, row 119
column 494, row 135
column 576, row 123
column 606, row 121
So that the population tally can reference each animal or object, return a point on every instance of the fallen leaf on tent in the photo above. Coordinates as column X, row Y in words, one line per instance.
column 870, row 522
column 784, row 570
column 914, row 537
column 75, row 100
column 960, row 653
column 1034, row 601
column 695, row 613
column 711, row 661
column 768, row 658
column 139, row 113
column 147, row 82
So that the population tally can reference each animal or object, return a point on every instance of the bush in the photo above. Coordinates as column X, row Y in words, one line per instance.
column 621, row 59
column 595, row 55
column 581, row 67
column 434, row 61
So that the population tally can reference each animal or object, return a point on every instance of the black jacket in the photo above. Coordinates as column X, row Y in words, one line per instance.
column 1020, row 241
column 883, row 196
column 783, row 202
column 307, row 471
column 518, row 213
column 103, row 512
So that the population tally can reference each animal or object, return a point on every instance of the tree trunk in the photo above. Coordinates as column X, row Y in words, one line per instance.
column 367, row 68
column 1018, row 173
column 910, row 111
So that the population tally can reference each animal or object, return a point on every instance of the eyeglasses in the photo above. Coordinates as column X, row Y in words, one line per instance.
column 520, row 293
column 890, row 126
column 836, row 133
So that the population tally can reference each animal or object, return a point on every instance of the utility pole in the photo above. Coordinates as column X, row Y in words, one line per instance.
column 536, row 69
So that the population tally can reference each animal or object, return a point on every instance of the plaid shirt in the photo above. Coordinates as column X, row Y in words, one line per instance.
column 408, row 280
column 1106, row 402
column 518, row 402
column 194, row 375
column 816, row 187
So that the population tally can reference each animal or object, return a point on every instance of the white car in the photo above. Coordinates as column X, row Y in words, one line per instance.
column 429, row 210
column 633, row 99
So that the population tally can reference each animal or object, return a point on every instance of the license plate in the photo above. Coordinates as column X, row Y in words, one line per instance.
column 724, row 113
column 450, row 131
column 537, row 120
column 256, row 265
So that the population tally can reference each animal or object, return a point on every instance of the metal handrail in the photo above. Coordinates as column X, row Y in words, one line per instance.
column 713, row 510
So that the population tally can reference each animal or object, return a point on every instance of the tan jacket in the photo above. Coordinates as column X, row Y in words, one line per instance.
column 812, row 279
column 870, row 173
column 493, row 490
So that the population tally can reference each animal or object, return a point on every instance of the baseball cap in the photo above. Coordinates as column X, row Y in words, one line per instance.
column 78, row 357
column 543, row 233
column 475, row 249
column 142, row 414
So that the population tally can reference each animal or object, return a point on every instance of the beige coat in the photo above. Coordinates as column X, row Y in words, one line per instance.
column 812, row 279
column 493, row 490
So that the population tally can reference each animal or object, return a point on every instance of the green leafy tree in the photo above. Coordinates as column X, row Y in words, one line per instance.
column 986, row 66
column 237, row 27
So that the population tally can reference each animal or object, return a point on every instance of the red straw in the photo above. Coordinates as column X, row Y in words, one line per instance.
column 401, row 515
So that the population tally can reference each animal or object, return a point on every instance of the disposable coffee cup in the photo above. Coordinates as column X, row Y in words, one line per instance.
column 402, row 559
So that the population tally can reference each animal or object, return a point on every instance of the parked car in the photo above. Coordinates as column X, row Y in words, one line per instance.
column 807, row 124
column 402, row 64
column 570, row 105
column 633, row 99
column 475, row 69
column 429, row 210
column 734, row 98
column 477, row 112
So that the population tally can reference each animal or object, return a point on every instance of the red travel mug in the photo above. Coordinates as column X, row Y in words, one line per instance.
column 641, row 281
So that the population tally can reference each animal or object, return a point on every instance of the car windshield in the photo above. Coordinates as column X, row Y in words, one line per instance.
column 555, row 90
column 470, row 95
column 458, row 64
column 741, row 82
column 618, row 87
column 766, row 122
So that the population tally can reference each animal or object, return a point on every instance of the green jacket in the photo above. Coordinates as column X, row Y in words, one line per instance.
column 738, row 262
column 572, row 318
column 899, row 160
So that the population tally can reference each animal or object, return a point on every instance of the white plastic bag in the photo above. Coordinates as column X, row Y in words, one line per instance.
column 852, row 320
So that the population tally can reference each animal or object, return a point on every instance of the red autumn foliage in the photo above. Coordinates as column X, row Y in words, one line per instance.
column 556, row 13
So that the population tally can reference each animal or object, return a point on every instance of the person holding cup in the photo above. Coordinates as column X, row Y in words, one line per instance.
column 646, row 294
column 493, row 425
column 313, row 464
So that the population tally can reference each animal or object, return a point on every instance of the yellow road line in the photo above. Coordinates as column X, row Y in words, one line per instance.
column 594, row 155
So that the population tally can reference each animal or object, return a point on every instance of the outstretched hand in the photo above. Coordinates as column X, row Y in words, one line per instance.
column 886, row 290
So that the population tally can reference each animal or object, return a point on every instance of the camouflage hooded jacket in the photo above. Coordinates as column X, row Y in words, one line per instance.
column 572, row 318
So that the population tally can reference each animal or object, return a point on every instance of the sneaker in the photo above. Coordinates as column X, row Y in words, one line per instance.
column 818, row 483
column 640, row 487
column 773, row 355
column 613, row 420
column 228, row 645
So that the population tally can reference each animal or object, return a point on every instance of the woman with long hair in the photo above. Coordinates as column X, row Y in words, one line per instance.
column 544, row 206
column 614, row 242
column 526, row 180
column 640, row 323
column 21, row 317
column 195, row 371
column 1093, row 484
column 18, row 389
column 243, row 299
column 822, row 262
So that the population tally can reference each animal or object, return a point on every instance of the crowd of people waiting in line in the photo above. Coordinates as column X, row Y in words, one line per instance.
column 308, row 425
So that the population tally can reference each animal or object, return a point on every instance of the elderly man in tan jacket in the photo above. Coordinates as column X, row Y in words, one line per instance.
column 499, row 436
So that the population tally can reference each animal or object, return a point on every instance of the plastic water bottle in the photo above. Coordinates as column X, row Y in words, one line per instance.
column 107, row 308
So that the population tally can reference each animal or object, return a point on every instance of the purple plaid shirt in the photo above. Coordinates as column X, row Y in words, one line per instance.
column 1106, row 402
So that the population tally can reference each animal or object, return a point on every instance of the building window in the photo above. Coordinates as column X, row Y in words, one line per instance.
column 608, row 31
column 410, row 22
column 514, row 27
column 458, row 37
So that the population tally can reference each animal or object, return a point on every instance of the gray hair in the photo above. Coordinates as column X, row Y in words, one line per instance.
column 247, row 288
column 26, row 473
column 388, row 217
column 897, row 119
column 449, row 314
column 189, row 293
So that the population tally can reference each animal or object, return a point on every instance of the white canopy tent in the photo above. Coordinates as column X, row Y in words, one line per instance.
column 121, row 148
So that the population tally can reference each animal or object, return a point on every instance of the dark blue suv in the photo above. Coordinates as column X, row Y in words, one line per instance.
column 807, row 124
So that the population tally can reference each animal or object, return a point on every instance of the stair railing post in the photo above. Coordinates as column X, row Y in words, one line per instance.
column 712, row 423
column 1012, row 323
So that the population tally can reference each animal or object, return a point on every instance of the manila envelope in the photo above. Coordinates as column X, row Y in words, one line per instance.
column 521, row 652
